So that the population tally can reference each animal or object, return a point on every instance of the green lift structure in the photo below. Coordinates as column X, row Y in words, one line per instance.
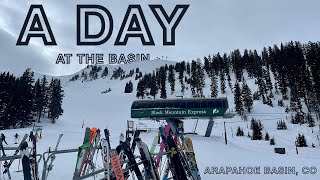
column 174, row 110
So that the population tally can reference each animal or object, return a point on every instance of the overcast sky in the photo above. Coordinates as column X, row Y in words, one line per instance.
column 209, row 26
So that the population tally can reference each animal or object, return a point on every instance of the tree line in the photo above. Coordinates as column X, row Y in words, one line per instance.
column 23, row 100
column 290, row 70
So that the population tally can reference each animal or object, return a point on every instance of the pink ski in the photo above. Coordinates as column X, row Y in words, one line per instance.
column 158, row 160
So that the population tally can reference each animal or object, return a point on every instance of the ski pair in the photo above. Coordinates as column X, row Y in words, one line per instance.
column 148, row 162
column 85, row 153
column 183, row 163
column 110, row 156
column 33, row 159
column 52, row 158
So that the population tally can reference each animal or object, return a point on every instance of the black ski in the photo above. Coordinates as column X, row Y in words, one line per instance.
column 132, row 162
column 25, row 160
column 176, row 159
column 34, row 164
column 150, row 170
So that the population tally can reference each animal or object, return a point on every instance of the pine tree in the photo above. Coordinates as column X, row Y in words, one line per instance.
column 280, row 103
column 247, row 97
column 257, row 127
column 272, row 141
column 55, row 106
column 239, row 132
column 281, row 125
column 171, row 78
column 140, row 89
column 214, row 87
column 267, row 137
column 39, row 99
column 129, row 87
column 45, row 91
column 222, row 83
column 301, row 141
column 105, row 72
column 238, row 99
column 24, row 96
column 188, row 68
column 154, row 87
column 310, row 120
column 163, row 77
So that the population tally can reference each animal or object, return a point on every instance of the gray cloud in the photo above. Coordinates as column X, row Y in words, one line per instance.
column 209, row 26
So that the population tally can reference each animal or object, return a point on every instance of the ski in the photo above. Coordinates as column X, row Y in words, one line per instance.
column 150, row 170
column 88, row 158
column 132, row 162
column 188, row 160
column 189, row 146
column 105, row 157
column 25, row 160
column 116, row 165
column 82, row 151
column 176, row 159
column 154, row 143
column 165, row 131
column 33, row 160
column 7, row 165
column 136, row 135
column 107, row 136
column 53, row 156
column 170, row 165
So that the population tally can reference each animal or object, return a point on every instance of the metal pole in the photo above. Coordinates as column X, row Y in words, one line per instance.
column 225, row 132
column 0, row 166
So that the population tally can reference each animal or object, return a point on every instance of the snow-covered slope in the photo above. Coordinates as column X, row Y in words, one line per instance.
column 84, row 102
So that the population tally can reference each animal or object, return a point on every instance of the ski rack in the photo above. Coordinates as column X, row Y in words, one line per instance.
column 9, row 158
column 6, row 158
column 50, row 153
column 102, row 170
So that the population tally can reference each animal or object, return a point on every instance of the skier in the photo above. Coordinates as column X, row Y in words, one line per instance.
column 3, row 137
column 16, row 138
column 121, row 138
column 1, row 147
column 31, row 136
column 40, row 136
column 180, row 129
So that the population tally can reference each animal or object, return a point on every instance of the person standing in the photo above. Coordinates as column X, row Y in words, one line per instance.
column 3, row 137
column 31, row 136
column 16, row 138
column 121, row 138
column 1, row 147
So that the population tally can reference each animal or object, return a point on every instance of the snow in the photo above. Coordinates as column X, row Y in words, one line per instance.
column 84, row 102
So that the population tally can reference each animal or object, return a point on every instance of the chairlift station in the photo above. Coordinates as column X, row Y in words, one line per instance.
column 173, row 110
